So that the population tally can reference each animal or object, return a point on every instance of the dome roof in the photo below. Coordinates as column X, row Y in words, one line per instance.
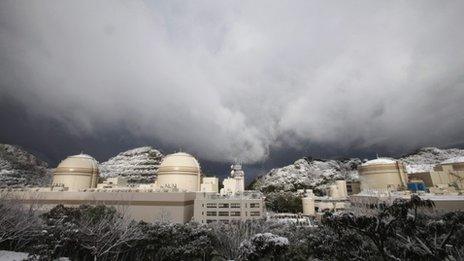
column 454, row 160
column 79, row 162
column 178, row 161
column 379, row 161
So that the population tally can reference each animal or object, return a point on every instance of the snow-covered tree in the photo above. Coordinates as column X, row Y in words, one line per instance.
column 264, row 246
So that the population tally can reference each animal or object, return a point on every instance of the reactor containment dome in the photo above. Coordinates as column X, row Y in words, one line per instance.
column 382, row 173
column 76, row 172
column 179, row 170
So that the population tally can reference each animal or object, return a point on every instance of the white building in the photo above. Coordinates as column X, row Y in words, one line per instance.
column 234, row 203
column 236, row 182
column 213, row 207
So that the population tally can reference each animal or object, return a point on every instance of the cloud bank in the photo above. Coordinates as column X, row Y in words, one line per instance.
column 233, row 80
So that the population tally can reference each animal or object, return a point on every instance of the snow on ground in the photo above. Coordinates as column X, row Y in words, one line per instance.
column 12, row 256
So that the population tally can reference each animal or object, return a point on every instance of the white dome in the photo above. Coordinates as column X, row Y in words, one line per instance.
column 76, row 172
column 179, row 160
column 181, row 170
column 379, row 161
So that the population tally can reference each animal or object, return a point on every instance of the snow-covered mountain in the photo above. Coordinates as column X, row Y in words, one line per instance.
column 424, row 159
column 307, row 173
column 139, row 165
column 20, row 168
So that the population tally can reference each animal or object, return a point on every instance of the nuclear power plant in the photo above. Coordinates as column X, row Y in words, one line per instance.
column 384, row 180
column 180, row 193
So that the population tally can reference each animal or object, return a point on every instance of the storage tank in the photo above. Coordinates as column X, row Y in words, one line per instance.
column 180, row 170
column 342, row 190
column 382, row 174
column 309, row 207
column 333, row 191
column 76, row 172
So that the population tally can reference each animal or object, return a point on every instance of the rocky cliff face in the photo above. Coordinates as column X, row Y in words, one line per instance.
column 307, row 173
column 19, row 168
column 139, row 165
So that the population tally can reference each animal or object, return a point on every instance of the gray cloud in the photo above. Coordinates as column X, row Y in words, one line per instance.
column 236, row 79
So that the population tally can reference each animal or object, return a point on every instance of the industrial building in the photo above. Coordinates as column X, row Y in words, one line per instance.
column 179, row 194
column 336, row 199
column 382, row 174
column 445, row 178
column 241, row 206
column 385, row 180
column 234, row 203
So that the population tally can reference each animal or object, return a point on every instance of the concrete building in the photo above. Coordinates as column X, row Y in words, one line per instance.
column 209, row 184
column 445, row 178
column 114, row 182
column 76, row 172
column 383, row 174
column 213, row 207
column 146, row 205
column 367, row 201
column 173, row 198
column 308, row 201
column 353, row 187
column 337, row 190
column 181, row 171
column 234, row 203
column 236, row 182
column 336, row 199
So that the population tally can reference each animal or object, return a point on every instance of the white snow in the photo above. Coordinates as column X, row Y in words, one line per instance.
column 425, row 159
column 305, row 173
column 459, row 159
column 379, row 161
column 20, row 168
column 12, row 256
column 139, row 165
column 316, row 173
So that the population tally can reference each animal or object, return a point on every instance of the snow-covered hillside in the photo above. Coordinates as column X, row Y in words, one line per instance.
column 307, row 173
column 139, row 165
column 315, row 173
column 20, row 168
column 424, row 159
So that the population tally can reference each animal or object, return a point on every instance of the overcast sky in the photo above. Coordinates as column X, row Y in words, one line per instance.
column 225, row 80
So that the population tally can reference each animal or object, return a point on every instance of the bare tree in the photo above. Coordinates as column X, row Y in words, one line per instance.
column 18, row 222
column 108, row 235
column 230, row 236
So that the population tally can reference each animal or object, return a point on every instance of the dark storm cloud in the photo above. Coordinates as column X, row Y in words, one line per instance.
column 235, row 79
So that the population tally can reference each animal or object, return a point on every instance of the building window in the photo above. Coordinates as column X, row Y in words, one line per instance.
column 223, row 213
column 254, row 214
column 234, row 205
column 235, row 213
column 223, row 205
column 211, row 205
column 211, row 213
column 254, row 205
column 210, row 221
